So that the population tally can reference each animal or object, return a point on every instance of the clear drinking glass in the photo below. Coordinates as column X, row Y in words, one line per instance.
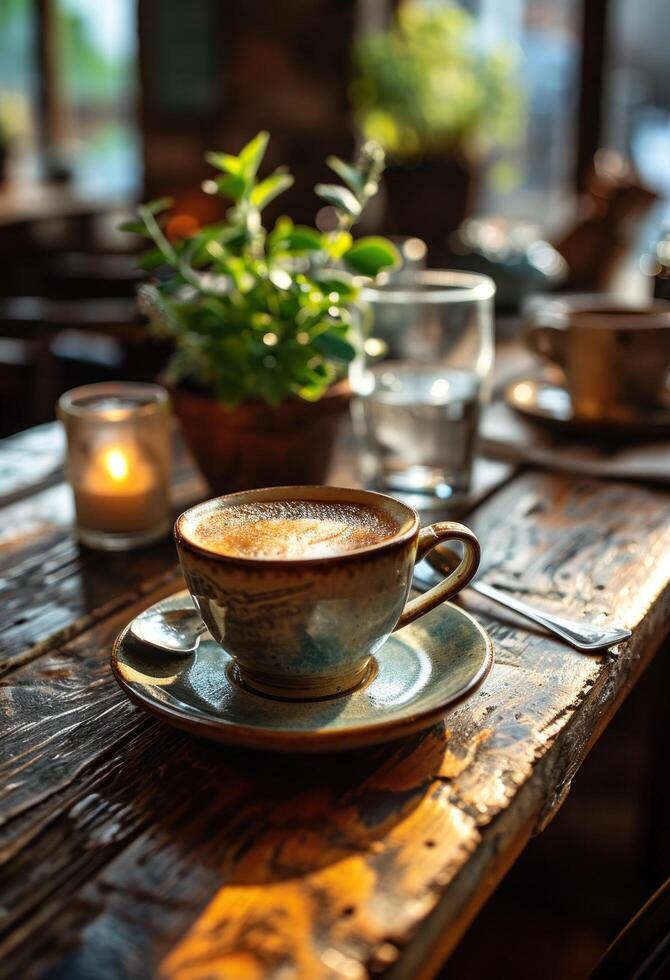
column 118, row 462
column 418, row 409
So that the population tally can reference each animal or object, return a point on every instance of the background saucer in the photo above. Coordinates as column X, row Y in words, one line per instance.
column 422, row 671
column 547, row 401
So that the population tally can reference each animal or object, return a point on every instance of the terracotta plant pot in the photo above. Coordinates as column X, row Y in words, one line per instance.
column 258, row 445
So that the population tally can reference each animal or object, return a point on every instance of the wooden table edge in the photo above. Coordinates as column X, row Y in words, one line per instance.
column 441, row 931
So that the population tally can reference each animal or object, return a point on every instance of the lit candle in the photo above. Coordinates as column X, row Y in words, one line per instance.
column 118, row 492
column 118, row 462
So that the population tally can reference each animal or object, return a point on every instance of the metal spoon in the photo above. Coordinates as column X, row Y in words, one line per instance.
column 170, row 630
column 582, row 636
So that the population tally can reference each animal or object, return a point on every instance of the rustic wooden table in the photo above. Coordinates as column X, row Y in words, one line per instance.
column 130, row 850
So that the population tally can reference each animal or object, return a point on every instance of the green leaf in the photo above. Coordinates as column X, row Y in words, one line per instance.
column 345, row 171
column 151, row 259
column 338, row 243
column 250, row 156
column 271, row 187
column 214, row 307
column 340, row 198
column 237, row 270
column 294, row 238
column 231, row 186
column 171, row 284
column 312, row 393
column 283, row 226
column 201, row 241
column 155, row 231
column 331, row 344
column 368, row 256
column 342, row 284
column 158, row 205
column 225, row 162
column 263, row 322
column 304, row 239
column 134, row 227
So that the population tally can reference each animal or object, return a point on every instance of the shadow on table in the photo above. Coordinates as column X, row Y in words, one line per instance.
column 257, row 818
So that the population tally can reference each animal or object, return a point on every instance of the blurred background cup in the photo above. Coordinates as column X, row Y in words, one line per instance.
column 614, row 353
column 419, row 399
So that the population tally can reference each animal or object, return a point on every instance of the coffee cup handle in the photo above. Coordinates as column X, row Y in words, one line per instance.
column 429, row 537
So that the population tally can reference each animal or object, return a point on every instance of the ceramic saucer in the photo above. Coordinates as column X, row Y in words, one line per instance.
column 420, row 672
column 543, row 399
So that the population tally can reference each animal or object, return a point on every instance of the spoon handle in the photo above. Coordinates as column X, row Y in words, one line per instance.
column 583, row 636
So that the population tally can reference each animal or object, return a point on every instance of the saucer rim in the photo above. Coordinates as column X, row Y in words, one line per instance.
column 658, row 418
column 221, row 730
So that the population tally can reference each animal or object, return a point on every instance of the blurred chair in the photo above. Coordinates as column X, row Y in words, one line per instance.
column 90, row 275
column 68, row 315
column 16, row 378
column 63, row 343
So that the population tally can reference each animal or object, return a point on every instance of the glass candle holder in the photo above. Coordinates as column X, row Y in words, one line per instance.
column 118, row 462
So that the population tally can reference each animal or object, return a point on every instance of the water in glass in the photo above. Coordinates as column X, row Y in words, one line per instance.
column 421, row 426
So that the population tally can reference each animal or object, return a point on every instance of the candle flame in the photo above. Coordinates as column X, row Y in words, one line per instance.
column 115, row 462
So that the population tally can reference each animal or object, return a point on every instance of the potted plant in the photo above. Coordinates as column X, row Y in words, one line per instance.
column 437, row 104
column 262, row 322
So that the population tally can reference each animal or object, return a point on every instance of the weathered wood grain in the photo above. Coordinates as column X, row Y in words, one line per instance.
column 130, row 773
column 130, row 850
column 30, row 461
column 50, row 587
column 61, row 713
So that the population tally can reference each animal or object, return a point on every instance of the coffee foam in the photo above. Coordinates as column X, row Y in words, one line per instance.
column 290, row 529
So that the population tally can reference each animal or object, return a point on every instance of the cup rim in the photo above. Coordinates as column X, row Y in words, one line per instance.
column 599, row 311
column 152, row 400
column 301, row 492
column 433, row 286
column 615, row 319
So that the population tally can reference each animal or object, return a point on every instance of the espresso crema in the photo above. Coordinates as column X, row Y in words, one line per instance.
column 291, row 529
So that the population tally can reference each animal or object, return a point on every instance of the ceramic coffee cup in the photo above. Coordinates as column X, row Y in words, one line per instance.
column 307, row 628
column 615, row 357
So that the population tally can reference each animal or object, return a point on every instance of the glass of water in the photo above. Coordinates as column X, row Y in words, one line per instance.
column 419, row 402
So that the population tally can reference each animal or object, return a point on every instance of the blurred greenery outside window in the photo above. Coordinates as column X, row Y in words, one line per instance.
column 528, row 163
column 490, row 80
column 18, row 75
column 94, row 85
column 96, row 53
